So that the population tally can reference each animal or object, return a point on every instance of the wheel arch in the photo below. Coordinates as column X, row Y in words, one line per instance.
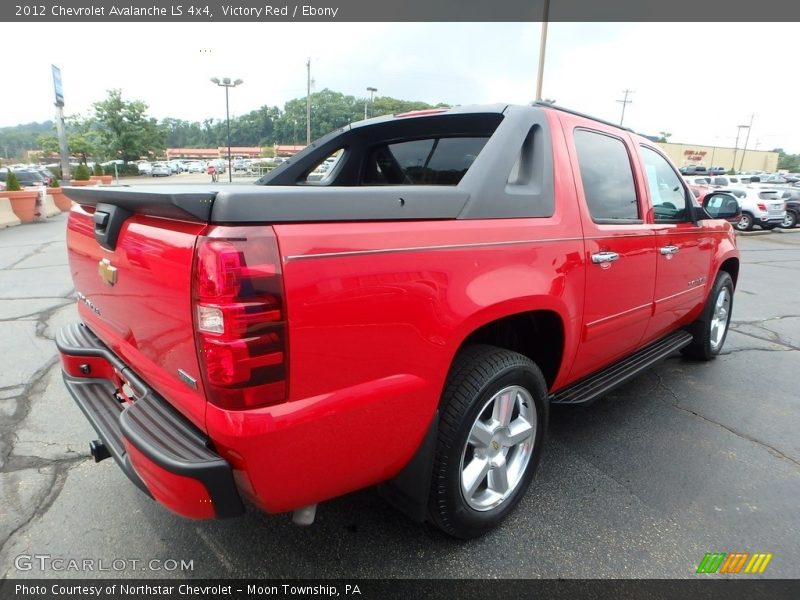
column 538, row 334
column 731, row 266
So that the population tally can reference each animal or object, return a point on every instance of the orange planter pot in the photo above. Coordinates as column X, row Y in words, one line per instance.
column 102, row 179
column 60, row 198
column 82, row 182
column 23, row 203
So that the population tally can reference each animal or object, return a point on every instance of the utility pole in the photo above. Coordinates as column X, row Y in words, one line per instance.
column 624, row 103
column 542, row 45
column 736, row 148
column 746, row 139
column 308, row 102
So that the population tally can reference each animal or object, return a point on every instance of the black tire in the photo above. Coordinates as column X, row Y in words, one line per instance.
column 769, row 227
column 478, row 373
column 790, row 222
column 745, row 222
column 704, row 346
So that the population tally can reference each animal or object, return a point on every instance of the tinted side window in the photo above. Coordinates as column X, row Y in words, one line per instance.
column 440, row 161
column 607, row 176
column 666, row 190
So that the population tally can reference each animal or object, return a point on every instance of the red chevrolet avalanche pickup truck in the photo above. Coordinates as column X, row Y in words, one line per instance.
column 399, row 304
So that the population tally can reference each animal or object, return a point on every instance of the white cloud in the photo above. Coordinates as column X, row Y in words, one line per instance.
column 697, row 81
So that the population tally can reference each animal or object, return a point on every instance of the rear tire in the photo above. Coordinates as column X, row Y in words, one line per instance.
column 790, row 220
column 711, row 329
column 745, row 222
column 493, row 421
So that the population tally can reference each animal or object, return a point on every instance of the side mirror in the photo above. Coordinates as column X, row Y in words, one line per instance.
column 722, row 206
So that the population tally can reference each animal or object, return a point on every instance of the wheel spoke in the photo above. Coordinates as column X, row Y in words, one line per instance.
column 498, row 477
column 481, row 435
column 519, row 431
column 503, row 407
column 473, row 475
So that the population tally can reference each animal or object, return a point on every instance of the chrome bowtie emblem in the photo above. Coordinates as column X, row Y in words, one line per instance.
column 108, row 272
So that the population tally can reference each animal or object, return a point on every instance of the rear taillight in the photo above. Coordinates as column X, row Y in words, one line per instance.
column 240, row 319
column 762, row 206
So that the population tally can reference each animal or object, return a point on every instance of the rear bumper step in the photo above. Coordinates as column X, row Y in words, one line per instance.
column 158, row 449
column 599, row 384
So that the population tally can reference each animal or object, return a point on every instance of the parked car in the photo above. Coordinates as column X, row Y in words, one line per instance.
column 724, row 181
column 717, row 171
column 145, row 168
column 762, row 207
column 792, row 198
column 195, row 166
column 26, row 177
column 693, row 170
column 175, row 167
column 699, row 181
column 161, row 169
column 408, row 325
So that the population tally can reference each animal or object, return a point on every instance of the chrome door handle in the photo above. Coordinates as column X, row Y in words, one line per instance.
column 667, row 250
column 604, row 257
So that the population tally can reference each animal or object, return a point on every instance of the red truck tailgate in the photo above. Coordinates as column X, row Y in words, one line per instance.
column 137, row 298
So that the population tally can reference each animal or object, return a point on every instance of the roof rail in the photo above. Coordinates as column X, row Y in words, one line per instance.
column 580, row 114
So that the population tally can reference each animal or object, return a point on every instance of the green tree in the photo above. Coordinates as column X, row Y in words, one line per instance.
column 663, row 137
column 79, row 144
column 125, row 130
column 788, row 162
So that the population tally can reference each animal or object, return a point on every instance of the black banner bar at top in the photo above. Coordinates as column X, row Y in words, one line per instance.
column 266, row 11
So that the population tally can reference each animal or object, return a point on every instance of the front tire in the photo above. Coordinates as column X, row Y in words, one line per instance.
column 711, row 329
column 493, row 421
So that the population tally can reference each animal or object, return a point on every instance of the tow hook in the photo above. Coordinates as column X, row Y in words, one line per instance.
column 98, row 450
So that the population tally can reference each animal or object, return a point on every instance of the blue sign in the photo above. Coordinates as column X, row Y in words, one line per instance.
column 57, row 85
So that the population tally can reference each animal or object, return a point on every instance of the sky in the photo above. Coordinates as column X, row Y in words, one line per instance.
column 697, row 81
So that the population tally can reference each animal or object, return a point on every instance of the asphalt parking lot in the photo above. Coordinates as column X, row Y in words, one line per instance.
column 686, row 459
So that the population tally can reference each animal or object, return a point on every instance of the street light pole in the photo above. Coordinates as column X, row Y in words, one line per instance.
column 542, row 46
column 227, row 83
column 371, row 91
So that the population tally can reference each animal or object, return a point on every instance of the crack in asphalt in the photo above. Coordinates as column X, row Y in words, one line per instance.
column 771, row 449
column 45, row 500
column 26, row 394
column 36, row 314
column 774, row 337
column 39, row 249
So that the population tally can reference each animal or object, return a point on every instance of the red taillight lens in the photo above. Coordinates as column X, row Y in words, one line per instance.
column 240, row 321
column 762, row 206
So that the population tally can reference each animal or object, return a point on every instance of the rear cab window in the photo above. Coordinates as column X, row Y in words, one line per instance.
column 429, row 161
column 607, row 178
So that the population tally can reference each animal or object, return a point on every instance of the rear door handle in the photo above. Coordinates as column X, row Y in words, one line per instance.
column 667, row 250
column 604, row 257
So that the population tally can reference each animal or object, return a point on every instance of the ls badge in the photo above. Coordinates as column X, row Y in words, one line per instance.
column 107, row 271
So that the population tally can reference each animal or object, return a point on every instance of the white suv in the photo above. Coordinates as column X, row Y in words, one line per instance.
column 760, row 206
